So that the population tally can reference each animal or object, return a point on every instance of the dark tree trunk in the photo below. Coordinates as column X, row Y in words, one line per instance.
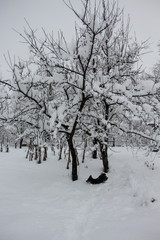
column 39, row 154
column 1, row 147
column 114, row 144
column 31, row 149
column 84, row 151
column 94, row 152
column 74, row 160
column 20, row 144
column 36, row 153
column 72, row 133
column 2, row 142
column 27, row 153
column 45, row 154
column 60, row 150
column 7, row 147
column 104, row 145
column 30, row 156
column 104, row 156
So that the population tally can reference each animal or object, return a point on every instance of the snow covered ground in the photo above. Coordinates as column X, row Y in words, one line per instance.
column 41, row 202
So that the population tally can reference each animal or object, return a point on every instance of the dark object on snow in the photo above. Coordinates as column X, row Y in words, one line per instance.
column 101, row 179
column 155, row 150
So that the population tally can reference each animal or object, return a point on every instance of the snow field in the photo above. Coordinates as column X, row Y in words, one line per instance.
column 39, row 201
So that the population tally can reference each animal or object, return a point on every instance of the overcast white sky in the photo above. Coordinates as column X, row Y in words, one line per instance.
column 53, row 15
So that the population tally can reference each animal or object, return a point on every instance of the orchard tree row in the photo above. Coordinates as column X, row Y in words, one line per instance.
column 92, row 88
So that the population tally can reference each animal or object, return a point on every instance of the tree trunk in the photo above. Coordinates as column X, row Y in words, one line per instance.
column 31, row 149
column 114, row 144
column 69, row 158
column 104, row 155
column 1, row 147
column 60, row 150
column 7, row 147
column 30, row 156
column 94, row 152
column 53, row 149
column 84, row 151
column 39, row 154
column 27, row 153
column 45, row 154
column 20, row 144
column 74, row 160
column 36, row 153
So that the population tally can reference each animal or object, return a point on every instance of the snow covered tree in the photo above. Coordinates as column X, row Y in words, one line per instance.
column 108, row 55
column 151, row 102
column 89, row 86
